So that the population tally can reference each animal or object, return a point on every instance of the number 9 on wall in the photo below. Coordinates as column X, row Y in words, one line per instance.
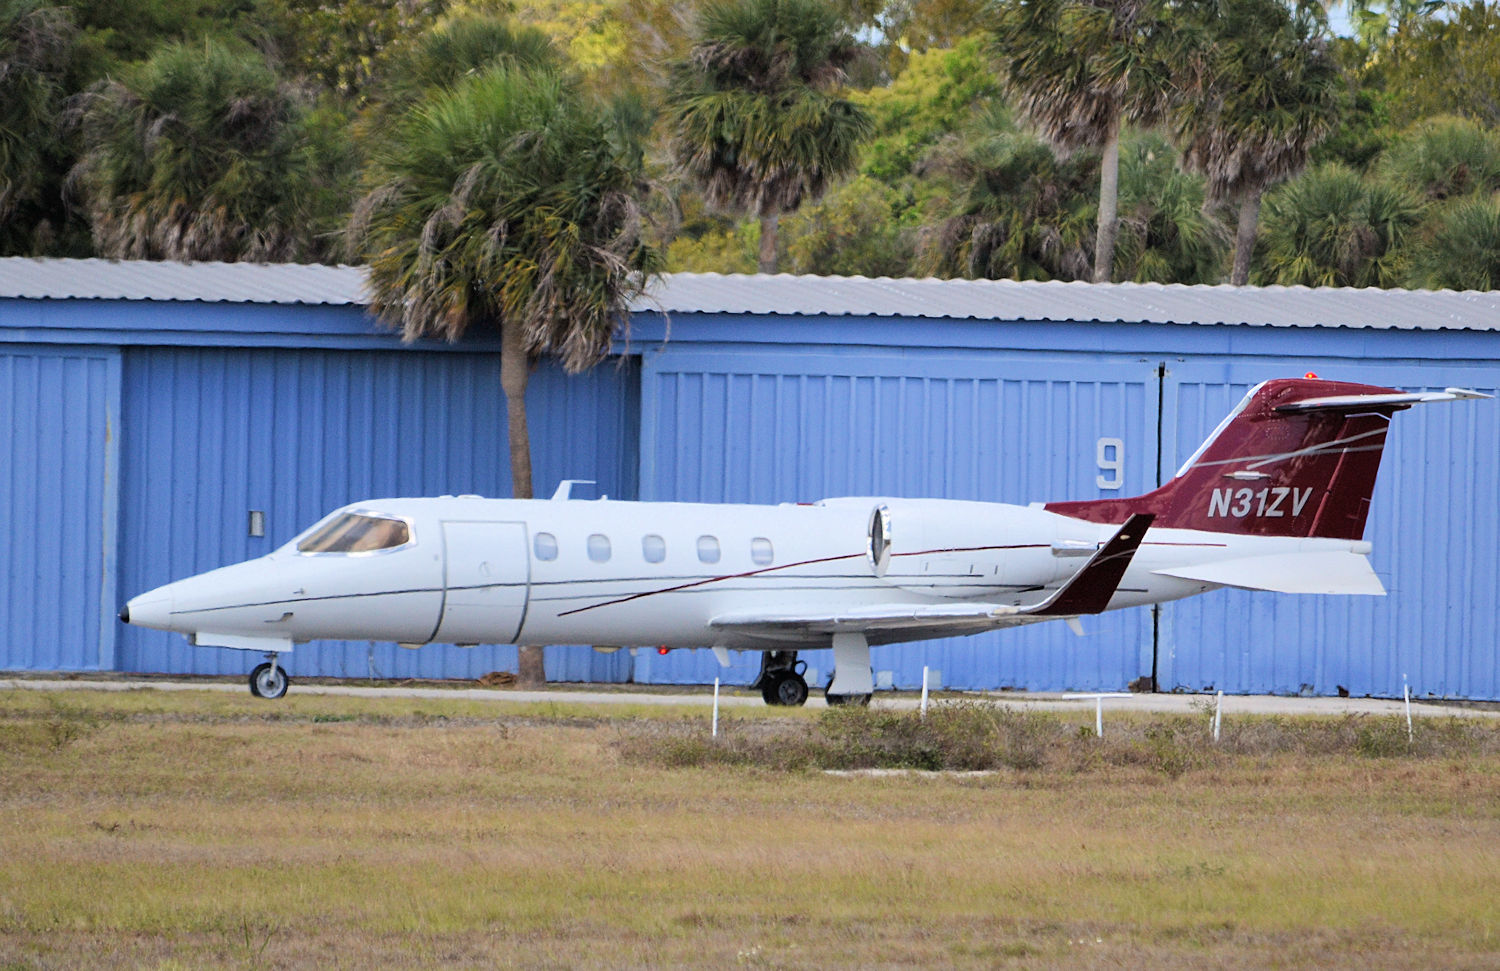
column 1111, row 458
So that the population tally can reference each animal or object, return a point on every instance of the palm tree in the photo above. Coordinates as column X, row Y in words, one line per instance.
column 508, row 202
column 36, row 40
column 459, row 45
column 1332, row 228
column 1079, row 70
column 1020, row 212
column 1257, row 90
column 1166, row 235
column 1461, row 250
column 1443, row 158
column 201, row 153
column 754, row 119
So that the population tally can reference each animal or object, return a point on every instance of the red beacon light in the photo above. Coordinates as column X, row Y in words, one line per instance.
column 662, row 650
column 1310, row 376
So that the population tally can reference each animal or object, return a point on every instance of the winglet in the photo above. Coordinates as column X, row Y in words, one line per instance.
column 1089, row 590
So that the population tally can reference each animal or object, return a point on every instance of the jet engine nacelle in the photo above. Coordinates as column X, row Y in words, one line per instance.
column 949, row 548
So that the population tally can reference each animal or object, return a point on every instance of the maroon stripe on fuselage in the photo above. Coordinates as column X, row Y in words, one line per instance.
column 787, row 566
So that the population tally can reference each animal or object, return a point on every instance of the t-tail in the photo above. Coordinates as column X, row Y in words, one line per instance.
column 1297, row 457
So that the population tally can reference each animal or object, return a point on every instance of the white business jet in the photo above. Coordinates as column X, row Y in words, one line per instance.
column 1276, row 499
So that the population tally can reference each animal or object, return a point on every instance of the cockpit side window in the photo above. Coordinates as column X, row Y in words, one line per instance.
column 355, row 532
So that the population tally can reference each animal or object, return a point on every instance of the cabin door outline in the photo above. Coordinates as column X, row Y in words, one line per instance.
column 486, row 581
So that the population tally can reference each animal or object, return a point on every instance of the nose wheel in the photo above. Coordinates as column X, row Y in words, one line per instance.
column 269, row 680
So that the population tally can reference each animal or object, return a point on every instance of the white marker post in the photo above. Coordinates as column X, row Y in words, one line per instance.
column 716, row 707
column 1218, row 714
column 924, row 692
column 1406, row 693
column 1099, row 708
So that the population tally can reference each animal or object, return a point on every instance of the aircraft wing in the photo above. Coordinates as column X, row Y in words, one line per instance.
column 967, row 618
column 1086, row 592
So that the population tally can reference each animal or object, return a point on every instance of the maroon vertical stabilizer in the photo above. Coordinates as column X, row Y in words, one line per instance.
column 1298, row 457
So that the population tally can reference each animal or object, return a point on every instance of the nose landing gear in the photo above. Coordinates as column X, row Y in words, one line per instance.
column 269, row 680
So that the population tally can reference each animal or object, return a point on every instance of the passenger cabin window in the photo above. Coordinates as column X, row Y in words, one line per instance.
column 708, row 549
column 653, row 548
column 599, row 548
column 545, row 545
column 760, row 551
column 356, row 533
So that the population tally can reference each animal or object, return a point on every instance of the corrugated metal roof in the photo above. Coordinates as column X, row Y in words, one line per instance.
column 782, row 294
column 1057, row 301
column 60, row 279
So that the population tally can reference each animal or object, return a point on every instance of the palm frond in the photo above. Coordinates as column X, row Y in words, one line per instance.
column 506, row 199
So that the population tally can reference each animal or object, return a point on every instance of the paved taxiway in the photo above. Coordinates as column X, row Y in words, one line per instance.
column 582, row 694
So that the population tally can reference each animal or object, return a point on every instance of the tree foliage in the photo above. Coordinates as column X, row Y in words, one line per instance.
column 111, row 144
column 1445, row 65
column 859, row 229
column 754, row 112
column 940, row 91
column 1166, row 233
column 1257, row 90
column 1462, row 247
column 1335, row 228
column 506, row 201
column 1376, row 20
column 1021, row 212
column 341, row 46
column 1444, row 157
column 462, row 44
column 203, row 153
column 1079, row 70
column 36, row 48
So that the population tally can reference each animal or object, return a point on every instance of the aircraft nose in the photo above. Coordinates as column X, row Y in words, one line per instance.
column 150, row 609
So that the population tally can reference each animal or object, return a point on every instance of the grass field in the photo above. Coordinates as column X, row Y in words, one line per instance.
column 197, row 830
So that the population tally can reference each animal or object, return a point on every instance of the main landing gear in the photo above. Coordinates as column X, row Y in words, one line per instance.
column 781, row 680
column 269, row 680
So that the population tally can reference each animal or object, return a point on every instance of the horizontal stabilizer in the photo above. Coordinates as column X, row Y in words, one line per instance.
column 1398, row 399
column 1319, row 572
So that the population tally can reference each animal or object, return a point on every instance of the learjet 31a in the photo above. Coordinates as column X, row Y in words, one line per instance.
column 1276, row 499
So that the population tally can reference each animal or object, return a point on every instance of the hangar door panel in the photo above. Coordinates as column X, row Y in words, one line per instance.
column 803, row 424
column 487, row 575
column 56, row 560
column 211, row 433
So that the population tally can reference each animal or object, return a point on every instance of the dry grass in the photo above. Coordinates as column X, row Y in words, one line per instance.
column 198, row 830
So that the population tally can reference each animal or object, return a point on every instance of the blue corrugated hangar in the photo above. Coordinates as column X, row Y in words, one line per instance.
column 164, row 419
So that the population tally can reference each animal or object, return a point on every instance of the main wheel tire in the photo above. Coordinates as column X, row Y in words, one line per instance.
column 267, row 681
column 788, row 689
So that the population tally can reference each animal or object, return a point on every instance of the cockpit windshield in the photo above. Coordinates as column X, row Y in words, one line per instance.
column 353, row 532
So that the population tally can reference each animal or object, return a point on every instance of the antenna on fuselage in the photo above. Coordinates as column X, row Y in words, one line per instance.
column 565, row 487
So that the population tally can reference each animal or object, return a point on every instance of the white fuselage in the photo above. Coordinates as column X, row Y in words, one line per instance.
column 603, row 572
